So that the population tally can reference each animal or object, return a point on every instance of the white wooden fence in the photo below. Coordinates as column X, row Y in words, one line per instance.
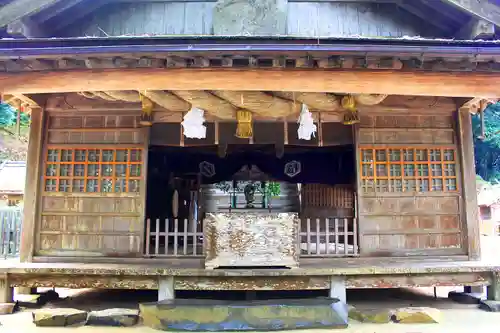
column 10, row 231
column 322, row 237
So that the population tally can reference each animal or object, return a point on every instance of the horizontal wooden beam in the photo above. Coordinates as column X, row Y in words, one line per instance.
column 470, row 84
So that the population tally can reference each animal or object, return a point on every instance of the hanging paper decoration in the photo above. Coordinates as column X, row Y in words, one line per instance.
column 351, row 117
column 307, row 128
column 147, row 111
column 244, row 128
column 192, row 124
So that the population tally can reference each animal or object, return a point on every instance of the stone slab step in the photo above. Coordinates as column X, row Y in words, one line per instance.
column 269, row 315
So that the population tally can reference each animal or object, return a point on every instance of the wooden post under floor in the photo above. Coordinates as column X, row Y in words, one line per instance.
column 166, row 289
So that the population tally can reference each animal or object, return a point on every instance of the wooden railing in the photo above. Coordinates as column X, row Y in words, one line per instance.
column 173, row 238
column 328, row 237
column 322, row 237
column 10, row 231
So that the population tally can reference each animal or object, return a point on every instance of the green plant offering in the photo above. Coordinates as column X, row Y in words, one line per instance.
column 273, row 189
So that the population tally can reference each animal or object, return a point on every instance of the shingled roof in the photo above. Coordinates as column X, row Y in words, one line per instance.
column 52, row 16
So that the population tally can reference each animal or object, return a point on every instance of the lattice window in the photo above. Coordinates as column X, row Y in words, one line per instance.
column 93, row 170
column 408, row 169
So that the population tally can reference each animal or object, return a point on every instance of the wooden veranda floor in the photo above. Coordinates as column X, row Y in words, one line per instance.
column 343, row 266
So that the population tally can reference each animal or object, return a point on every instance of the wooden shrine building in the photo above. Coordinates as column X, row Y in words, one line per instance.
column 322, row 145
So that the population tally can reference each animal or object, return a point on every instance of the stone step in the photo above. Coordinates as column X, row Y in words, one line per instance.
column 269, row 315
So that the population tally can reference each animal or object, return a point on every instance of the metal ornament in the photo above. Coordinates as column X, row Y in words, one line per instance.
column 293, row 168
column 207, row 169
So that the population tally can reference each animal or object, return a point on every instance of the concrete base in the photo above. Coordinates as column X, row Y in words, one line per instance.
column 338, row 289
column 493, row 292
column 6, row 292
column 211, row 315
column 25, row 291
column 166, row 289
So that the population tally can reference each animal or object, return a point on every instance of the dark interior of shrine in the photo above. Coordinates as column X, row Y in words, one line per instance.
column 186, row 169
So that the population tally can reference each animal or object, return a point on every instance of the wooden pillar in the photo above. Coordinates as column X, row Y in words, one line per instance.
column 338, row 289
column 32, row 187
column 6, row 291
column 143, row 190
column 493, row 290
column 469, row 208
column 166, row 290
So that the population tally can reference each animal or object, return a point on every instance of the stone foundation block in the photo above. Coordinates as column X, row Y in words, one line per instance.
column 417, row 315
column 370, row 316
column 210, row 315
column 491, row 306
column 465, row 298
column 59, row 317
column 113, row 317
column 7, row 308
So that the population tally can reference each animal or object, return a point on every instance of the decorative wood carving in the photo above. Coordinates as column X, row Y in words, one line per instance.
column 251, row 239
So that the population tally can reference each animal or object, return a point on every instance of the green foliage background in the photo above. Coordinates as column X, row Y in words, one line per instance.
column 487, row 151
column 8, row 116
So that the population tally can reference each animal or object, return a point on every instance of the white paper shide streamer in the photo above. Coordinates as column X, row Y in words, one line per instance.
column 193, row 124
column 307, row 128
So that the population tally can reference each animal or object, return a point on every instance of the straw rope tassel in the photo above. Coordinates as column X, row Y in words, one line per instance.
column 351, row 117
column 244, row 128
column 147, row 111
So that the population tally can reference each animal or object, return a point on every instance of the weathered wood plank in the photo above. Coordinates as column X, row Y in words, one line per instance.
column 471, row 214
column 252, row 283
column 248, row 283
column 360, row 82
column 77, row 282
column 304, row 18
column 31, row 197
column 423, row 280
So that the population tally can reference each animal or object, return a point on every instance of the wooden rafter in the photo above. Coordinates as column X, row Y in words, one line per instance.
column 417, row 9
column 306, row 80
column 482, row 9
column 25, row 27
column 58, row 9
column 75, row 13
column 477, row 104
column 18, row 9
column 476, row 29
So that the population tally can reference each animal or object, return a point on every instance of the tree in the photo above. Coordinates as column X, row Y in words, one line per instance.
column 13, row 147
column 8, row 116
column 487, row 151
